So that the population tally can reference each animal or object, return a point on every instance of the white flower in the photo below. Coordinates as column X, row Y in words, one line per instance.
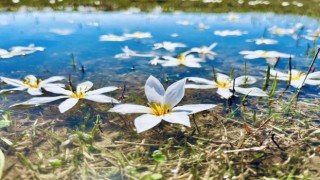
column 285, row 4
column 128, row 53
column 112, row 37
column 182, row 59
column 161, row 106
column 264, row 54
column 260, row 41
column 205, row 51
column 72, row 97
column 62, row 32
column 202, row 27
column 31, row 83
column 224, row 84
column 230, row 33
column 282, row 31
column 19, row 51
column 313, row 35
column 170, row 46
column 138, row 35
column 8, row 54
column 184, row 22
column 297, row 77
column 155, row 61
column 174, row 35
column 232, row 18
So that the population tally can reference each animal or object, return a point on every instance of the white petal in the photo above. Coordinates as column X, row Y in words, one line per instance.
column 313, row 82
column 146, row 122
column 278, row 73
column 13, row 89
column 251, row 91
column 35, row 91
column 101, row 98
column 191, row 63
column 224, row 92
column 58, row 90
column 296, row 83
column 252, row 56
column 40, row 100
column 245, row 80
column 130, row 108
column 32, row 79
column 102, row 90
column 154, row 90
column 12, row 82
column 193, row 108
column 314, row 75
column 170, row 63
column 85, row 86
column 222, row 77
column 201, row 80
column 52, row 79
column 67, row 104
column 177, row 118
column 197, row 86
column 174, row 93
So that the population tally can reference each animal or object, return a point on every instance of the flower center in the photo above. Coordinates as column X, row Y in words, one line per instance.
column 264, row 55
column 159, row 110
column 278, row 31
column 224, row 84
column 78, row 95
column 181, row 58
column 28, row 82
column 297, row 76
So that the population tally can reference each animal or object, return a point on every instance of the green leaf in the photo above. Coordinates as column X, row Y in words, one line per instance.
column 4, row 123
column 155, row 176
column 158, row 156
column 55, row 163
column 2, row 159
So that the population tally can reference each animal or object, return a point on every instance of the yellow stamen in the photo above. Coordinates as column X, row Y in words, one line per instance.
column 297, row 76
column 264, row 55
column 159, row 110
column 181, row 58
column 32, row 85
column 224, row 84
column 78, row 95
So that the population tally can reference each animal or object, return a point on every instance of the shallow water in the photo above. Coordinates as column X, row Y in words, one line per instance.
column 102, row 68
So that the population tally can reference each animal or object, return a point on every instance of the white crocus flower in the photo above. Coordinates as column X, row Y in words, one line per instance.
column 128, row 53
column 224, row 85
column 31, row 83
column 264, row 54
column 161, row 106
column 112, row 37
column 260, row 41
column 297, row 77
column 138, row 35
column 182, row 59
column 230, row 33
column 72, row 97
column 205, row 51
column 170, row 46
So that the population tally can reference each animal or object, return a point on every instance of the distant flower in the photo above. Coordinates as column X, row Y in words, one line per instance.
column 313, row 35
column 282, row 31
column 232, row 18
column 297, row 77
column 155, row 61
column 19, row 51
column 263, row 41
column 111, row 37
column 72, row 97
column 62, row 32
column 174, row 35
column 128, row 53
column 285, row 4
column 212, row 1
column 31, row 83
column 202, row 27
column 264, row 54
column 184, row 23
column 8, row 54
column 182, row 59
column 161, row 106
column 170, row 46
column 205, row 51
column 138, row 35
column 224, row 85
column 230, row 33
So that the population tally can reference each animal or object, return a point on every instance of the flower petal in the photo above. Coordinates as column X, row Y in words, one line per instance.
column 21, row 88
column 130, row 108
column 191, row 63
column 313, row 82
column 101, row 98
column 245, row 80
column 31, row 79
column 85, row 86
column 154, row 90
column 224, row 92
column 174, row 93
column 200, row 80
column 52, row 79
column 39, row 100
column 296, row 83
column 67, row 104
column 146, row 122
column 177, row 118
column 278, row 73
column 193, row 108
column 170, row 63
column 102, row 90
column 314, row 75
column 251, row 91
column 35, row 91
column 197, row 86
column 58, row 90
column 12, row 82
